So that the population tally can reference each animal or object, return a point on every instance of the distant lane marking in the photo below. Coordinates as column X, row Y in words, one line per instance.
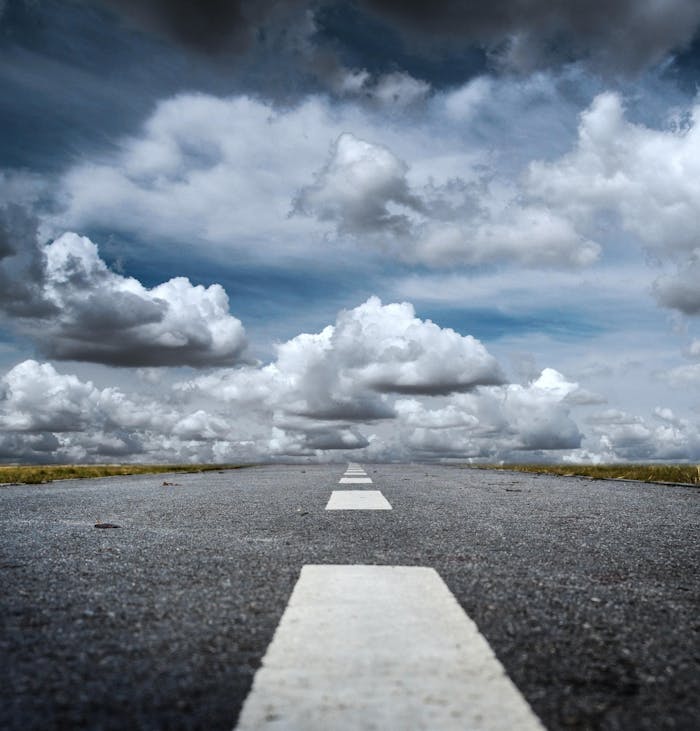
column 347, row 480
column 380, row 647
column 357, row 500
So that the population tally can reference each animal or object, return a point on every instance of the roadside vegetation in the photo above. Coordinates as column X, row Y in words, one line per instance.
column 685, row 473
column 35, row 474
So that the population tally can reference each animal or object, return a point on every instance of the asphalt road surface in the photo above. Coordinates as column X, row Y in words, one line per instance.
column 587, row 591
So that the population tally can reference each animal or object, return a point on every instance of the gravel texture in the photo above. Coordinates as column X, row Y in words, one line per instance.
column 588, row 591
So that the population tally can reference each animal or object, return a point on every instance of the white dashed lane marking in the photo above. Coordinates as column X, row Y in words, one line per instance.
column 357, row 500
column 355, row 480
column 380, row 647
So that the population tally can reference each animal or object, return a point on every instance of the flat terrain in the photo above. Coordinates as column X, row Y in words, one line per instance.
column 588, row 592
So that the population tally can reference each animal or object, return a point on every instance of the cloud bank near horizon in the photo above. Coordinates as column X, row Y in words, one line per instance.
column 378, row 384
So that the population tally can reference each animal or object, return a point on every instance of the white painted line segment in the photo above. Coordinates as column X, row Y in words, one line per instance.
column 357, row 500
column 348, row 480
column 384, row 648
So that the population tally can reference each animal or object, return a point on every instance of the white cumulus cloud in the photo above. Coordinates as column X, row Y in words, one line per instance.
column 363, row 188
column 649, row 178
column 79, row 309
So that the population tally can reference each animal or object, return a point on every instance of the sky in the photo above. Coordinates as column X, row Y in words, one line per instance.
column 236, row 231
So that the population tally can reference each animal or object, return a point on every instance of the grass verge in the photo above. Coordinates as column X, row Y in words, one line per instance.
column 684, row 473
column 35, row 474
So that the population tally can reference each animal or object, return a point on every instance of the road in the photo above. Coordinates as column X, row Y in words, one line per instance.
column 587, row 591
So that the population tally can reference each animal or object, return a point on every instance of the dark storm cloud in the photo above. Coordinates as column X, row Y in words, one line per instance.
column 21, row 265
column 31, row 448
column 621, row 35
column 207, row 26
column 73, row 78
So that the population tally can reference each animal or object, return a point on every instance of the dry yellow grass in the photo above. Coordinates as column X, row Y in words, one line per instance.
column 683, row 473
column 35, row 474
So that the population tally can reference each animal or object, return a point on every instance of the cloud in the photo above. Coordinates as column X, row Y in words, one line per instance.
column 680, row 291
column 76, row 308
column 312, row 400
column 347, row 371
column 628, row 437
column 683, row 376
column 363, row 188
column 649, row 177
column 462, row 103
column 206, row 26
column 21, row 265
column 47, row 416
column 206, row 170
column 425, row 192
column 398, row 89
column 624, row 35
column 380, row 383
column 200, row 426
column 107, row 318
column 355, row 188
column 359, row 372
column 531, row 235
column 539, row 412
column 312, row 441
column 499, row 422
column 34, row 397
column 323, row 387
column 389, row 350
column 392, row 351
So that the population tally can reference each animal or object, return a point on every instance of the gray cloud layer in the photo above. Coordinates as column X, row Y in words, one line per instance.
column 617, row 34
column 621, row 35
column 207, row 26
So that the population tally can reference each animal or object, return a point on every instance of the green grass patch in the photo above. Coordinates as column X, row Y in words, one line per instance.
column 686, row 473
column 35, row 474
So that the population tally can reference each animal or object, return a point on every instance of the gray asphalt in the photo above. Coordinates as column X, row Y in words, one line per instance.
column 588, row 591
